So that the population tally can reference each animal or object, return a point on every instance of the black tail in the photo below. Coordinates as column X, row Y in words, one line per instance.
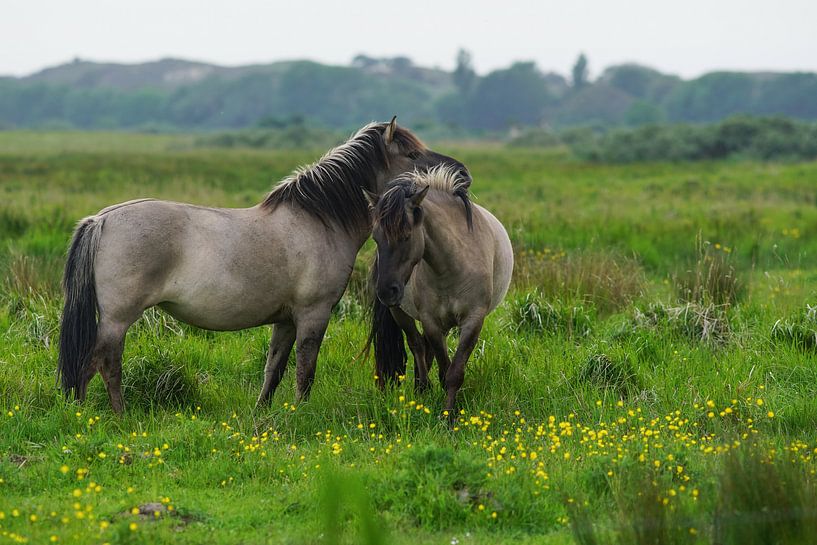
column 79, row 322
column 387, row 337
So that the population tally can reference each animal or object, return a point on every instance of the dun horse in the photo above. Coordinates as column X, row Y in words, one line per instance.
column 441, row 260
column 285, row 261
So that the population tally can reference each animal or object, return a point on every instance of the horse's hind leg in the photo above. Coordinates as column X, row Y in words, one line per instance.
column 455, row 375
column 107, row 359
column 283, row 337
column 417, row 345
column 310, row 328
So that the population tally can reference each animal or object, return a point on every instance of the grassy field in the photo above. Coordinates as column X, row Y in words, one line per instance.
column 651, row 378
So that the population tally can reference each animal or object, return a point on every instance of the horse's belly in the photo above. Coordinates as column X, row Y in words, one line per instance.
column 222, row 319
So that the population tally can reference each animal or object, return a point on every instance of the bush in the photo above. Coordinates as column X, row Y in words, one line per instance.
column 291, row 137
column 764, row 138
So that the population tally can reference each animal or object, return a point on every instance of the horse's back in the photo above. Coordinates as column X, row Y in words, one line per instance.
column 212, row 267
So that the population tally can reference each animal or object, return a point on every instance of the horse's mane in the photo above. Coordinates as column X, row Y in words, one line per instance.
column 331, row 188
column 390, row 211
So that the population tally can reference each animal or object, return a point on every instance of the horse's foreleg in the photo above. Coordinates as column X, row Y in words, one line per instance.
column 283, row 337
column 310, row 329
column 417, row 346
column 454, row 377
column 435, row 340
column 107, row 360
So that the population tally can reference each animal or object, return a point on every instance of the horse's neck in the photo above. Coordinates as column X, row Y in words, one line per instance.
column 437, row 253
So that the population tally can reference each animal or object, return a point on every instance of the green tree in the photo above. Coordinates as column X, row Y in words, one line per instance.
column 580, row 72
column 513, row 96
column 464, row 75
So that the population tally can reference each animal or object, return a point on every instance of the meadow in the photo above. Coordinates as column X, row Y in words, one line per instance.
column 651, row 377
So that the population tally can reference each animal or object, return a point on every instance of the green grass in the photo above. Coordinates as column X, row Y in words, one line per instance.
column 597, row 373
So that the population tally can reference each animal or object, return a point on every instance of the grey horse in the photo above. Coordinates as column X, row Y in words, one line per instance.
column 285, row 261
column 441, row 260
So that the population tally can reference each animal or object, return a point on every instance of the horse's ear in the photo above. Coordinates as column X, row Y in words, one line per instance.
column 418, row 197
column 388, row 135
column 371, row 198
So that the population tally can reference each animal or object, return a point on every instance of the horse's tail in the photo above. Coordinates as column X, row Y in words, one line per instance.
column 387, row 337
column 79, row 321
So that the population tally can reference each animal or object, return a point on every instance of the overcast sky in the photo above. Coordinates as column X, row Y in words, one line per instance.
column 686, row 37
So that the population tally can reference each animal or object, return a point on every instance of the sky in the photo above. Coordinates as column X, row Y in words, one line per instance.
column 686, row 37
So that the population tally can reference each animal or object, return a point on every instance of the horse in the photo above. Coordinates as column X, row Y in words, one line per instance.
column 441, row 260
column 285, row 261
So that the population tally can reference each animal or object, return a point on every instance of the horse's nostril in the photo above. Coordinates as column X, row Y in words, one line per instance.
column 394, row 290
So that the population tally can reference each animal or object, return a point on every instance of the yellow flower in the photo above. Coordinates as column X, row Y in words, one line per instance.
column 133, row 526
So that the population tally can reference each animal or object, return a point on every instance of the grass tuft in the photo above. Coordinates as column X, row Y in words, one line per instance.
column 159, row 380
column 700, row 323
column 763, row 500
column 532, row 313
column 799, row 330
column 712, row 279
column 605, row 280
column 614, row 374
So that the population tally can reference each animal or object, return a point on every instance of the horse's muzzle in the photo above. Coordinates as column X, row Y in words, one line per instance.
column 391, row 296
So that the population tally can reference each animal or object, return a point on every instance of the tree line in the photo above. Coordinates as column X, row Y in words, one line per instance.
column 94, row 96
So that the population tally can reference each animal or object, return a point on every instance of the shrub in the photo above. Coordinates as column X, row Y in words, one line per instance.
column 764, row 138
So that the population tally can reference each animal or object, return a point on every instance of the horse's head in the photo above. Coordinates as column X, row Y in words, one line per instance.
column 398, row 218
column 406, row 153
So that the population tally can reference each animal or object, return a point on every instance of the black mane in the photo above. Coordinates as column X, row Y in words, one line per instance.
column 390, row 211
column 331, row 188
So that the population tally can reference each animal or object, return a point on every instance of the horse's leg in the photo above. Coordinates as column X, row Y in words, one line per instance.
column 417, row 346
column 107, row 359
column 435, row 339
column 429, row 352
column 310, row 328
column 454, row 377
column 283, row 337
